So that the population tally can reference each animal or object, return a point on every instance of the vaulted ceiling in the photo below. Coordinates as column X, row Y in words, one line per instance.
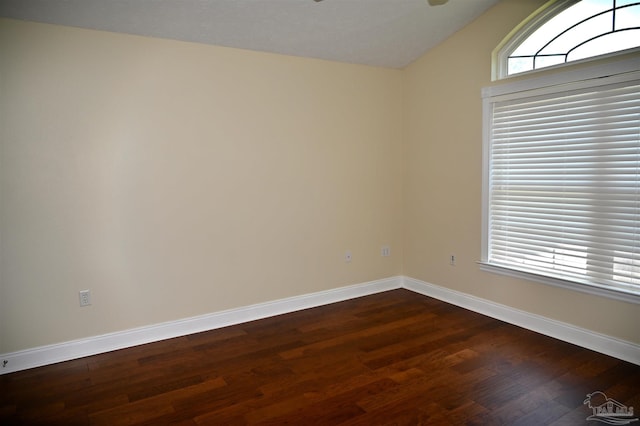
column 386, row 33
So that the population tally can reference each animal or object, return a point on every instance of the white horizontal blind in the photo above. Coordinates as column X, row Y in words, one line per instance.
column 564, row 184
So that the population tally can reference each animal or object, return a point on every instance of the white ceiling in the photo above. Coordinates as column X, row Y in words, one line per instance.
column 386, row 33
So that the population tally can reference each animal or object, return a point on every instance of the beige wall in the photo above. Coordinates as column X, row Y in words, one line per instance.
column 442, row 180
column 177, row 179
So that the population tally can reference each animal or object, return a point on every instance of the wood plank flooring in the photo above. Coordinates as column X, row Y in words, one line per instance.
column 394, row 358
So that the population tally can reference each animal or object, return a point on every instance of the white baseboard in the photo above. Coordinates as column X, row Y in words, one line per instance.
column 66, row 351
column 608, row 345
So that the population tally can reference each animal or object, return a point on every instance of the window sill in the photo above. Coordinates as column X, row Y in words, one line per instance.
column 610, row 293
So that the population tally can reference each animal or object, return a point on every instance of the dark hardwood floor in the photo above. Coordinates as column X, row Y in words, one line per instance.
column 395, row 358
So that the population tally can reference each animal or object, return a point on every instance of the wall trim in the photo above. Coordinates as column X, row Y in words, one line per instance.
column 66, row 351
column 621, row 349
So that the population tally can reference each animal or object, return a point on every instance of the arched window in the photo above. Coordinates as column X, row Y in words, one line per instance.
column 567, row 31
column 561, row 151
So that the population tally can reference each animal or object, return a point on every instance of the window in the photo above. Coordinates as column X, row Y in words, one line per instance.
column 569, row 31
column 562, row 179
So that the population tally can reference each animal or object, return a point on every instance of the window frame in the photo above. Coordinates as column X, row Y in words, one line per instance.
column 537, row 19
column 551, row 82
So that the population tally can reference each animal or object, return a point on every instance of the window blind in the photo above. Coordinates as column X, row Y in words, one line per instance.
column 564, row 183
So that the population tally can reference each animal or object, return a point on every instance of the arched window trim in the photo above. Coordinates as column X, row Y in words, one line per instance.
column 527, row 27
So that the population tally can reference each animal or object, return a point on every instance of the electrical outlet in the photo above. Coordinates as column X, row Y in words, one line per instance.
column 385, row 251
column 452, row 260
column 347, row 256
column 85, row 297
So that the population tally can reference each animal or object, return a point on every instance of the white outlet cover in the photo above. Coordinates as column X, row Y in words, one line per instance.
column 85, row 297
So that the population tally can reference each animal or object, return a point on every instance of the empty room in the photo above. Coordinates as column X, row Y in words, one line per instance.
column 333, row 212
